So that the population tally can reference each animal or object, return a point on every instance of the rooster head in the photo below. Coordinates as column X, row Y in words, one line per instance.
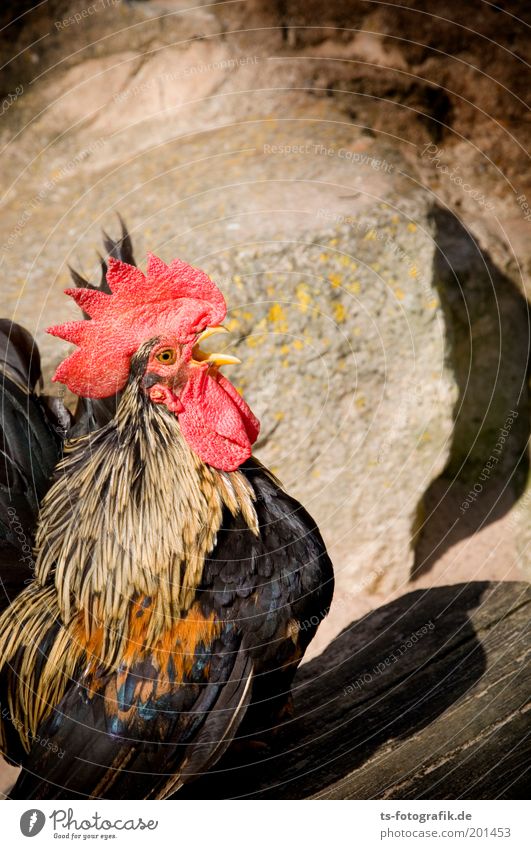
column 165, row 315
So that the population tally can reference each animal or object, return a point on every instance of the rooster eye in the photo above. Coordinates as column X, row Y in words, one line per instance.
column 167, row 356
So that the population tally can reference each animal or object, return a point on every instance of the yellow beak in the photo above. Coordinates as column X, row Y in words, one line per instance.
column 216, row 359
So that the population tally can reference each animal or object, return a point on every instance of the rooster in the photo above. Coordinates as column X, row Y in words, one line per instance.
column 159, row 584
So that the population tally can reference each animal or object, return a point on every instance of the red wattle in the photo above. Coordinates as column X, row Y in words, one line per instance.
column 250, row 422
column 216, row 421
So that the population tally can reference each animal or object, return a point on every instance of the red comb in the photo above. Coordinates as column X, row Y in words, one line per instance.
column 174, row 299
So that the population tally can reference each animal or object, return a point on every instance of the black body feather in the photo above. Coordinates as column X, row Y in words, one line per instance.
column 257, row 586
column 31, row 434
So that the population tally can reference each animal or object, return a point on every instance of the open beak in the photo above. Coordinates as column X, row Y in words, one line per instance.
column 215, row 359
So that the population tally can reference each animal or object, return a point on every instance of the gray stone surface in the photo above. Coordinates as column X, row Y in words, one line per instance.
column 322, row 245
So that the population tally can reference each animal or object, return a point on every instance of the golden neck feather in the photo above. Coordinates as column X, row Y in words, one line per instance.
column 133, row 512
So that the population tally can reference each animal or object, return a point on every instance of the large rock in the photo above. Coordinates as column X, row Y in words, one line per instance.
column 322, row 244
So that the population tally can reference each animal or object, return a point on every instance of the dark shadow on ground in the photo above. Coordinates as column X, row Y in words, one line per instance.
column 487, row 321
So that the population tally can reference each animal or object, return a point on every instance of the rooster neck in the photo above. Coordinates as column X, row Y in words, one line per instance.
column 132, row 514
